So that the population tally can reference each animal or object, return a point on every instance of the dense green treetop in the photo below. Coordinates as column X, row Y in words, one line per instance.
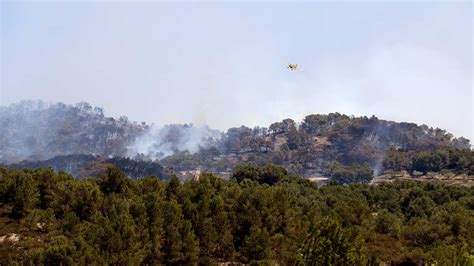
column 261, row 215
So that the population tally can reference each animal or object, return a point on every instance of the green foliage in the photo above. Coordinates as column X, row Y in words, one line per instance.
column 113, row 181
column 256, row 245
column 387, row 223
column 21, row 190
column 60, row 251
column 360, row 173
column 263, row 216
column 41, row 220
column 270, row 174
column 348, row 148
column 444, row 159
column 328, row 244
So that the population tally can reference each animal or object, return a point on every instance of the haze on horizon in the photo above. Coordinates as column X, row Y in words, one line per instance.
column 224, row 64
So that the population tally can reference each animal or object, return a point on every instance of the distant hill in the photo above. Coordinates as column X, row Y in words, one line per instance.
column 347, row 148
column 35, row 130
column 81, row 166
column 350, row 149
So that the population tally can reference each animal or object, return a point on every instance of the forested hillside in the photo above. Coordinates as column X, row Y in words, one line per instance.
column 348, row 149
column 35, row 130
column 261, row 215
column 82, row 166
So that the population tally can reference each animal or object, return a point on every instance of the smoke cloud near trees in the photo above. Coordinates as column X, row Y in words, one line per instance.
column 159, row 142
column 225, row 65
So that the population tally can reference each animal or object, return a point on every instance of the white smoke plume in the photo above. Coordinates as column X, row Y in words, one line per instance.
column 159, row 142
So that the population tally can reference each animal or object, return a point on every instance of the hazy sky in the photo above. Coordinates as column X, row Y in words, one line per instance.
column 224, row 64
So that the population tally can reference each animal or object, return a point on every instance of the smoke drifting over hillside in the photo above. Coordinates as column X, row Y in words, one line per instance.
column 400, row 61
column 35, row 130
column 159, row 142
column 330, row 145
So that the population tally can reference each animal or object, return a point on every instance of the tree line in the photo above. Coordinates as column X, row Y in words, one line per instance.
column 261, row 216
column 348, row 149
